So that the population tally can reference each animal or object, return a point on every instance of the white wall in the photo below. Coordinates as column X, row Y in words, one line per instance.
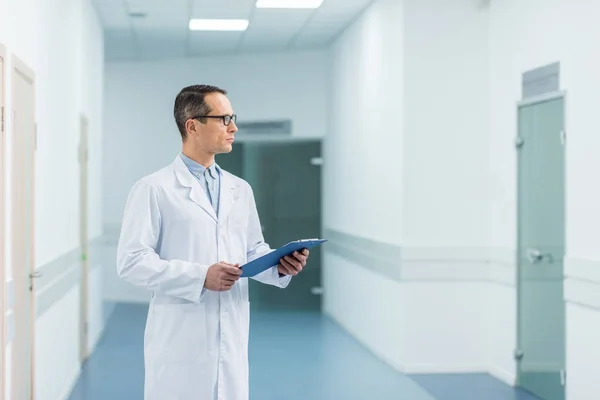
column 445, row 71
column 409, row 108
column 525, row 35
column 62, row 41
column 141, row 135
column 366, row 135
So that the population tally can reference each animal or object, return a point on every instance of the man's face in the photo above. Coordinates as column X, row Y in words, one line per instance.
column 214, row 136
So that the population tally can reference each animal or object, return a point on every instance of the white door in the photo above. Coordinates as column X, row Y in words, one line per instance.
column 22, row 228
column 83, row 184
column 2, row 218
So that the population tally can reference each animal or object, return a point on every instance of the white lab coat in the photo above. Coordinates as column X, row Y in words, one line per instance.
column 196, row 340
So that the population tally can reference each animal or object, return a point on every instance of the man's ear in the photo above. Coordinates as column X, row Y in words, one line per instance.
column 190, row 127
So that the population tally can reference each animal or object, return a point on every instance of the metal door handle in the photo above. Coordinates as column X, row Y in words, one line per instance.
column 36, row 274
column 535, row 256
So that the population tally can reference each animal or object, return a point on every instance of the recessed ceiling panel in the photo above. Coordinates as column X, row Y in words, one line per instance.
column 329, row 20
column 219, row 9
column 162, row 17
column 273, row 29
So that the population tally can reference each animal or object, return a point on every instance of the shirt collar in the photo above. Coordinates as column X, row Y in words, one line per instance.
column 198, row 169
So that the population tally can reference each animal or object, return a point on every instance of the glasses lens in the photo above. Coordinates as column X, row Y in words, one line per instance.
column 226, row 119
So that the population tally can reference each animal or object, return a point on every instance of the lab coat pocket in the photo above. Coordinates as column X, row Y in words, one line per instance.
column 180, row 332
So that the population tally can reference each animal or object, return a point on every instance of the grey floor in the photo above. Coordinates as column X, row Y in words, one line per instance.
column 324, row 363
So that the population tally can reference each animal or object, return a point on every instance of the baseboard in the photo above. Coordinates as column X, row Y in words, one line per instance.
column 503, row 375
column 72, row 382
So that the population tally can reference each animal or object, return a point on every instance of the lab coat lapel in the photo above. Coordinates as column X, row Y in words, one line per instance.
column 196, row 194
column 228, row 196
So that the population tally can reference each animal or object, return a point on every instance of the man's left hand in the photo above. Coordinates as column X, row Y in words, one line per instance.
column 293, row 265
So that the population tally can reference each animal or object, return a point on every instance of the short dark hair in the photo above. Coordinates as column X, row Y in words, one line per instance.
column 190, row 102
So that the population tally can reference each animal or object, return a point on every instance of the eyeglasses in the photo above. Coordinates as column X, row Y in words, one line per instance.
column 225, row 118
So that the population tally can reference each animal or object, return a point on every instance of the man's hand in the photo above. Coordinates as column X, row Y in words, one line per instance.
column 293, row 265
column 221, row 276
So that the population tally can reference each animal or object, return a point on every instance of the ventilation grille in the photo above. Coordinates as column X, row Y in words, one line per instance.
column 265, row 127
column 541, row 80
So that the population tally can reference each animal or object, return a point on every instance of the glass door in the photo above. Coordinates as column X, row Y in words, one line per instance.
column 287, row 187
column 541, row 247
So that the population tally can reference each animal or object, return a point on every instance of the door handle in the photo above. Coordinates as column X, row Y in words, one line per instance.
column 535, row 256
column 32, row 275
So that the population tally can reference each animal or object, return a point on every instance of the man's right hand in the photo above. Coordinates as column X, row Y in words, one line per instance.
column 221, row 276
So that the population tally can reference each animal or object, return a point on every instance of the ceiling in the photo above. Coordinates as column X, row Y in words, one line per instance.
column 163, row 31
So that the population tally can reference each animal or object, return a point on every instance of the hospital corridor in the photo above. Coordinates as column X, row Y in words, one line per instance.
column 299, row 200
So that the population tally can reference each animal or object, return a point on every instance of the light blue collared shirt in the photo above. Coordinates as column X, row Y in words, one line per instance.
column 209, row 178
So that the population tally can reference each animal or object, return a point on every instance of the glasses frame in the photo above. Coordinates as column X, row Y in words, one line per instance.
column 226, row 119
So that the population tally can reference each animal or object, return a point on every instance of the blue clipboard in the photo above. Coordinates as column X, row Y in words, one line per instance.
column 272, row 259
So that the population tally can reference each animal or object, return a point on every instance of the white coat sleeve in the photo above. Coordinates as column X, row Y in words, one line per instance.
column 257, row 247
column 137, row 260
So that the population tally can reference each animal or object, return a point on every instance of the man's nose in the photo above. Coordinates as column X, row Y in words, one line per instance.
column 233, row 127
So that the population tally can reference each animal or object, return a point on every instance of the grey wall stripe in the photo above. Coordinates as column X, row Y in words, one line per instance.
column 582, row 293
column 502, row 274
column 502, row 266
column 62, row 274
column 379, row 257
column 52, row 293
column 55, row 268
column 582, row 283
column 111, row 233
column 96, row 248
column 58, row 277
column 424, row 265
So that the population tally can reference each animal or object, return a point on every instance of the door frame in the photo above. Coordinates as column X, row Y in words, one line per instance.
column 3, row 78
column 532, row 101
column 559, row 94
column 84, row 234
column 20, row 67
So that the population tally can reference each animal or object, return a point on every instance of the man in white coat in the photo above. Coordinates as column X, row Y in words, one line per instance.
column 186, row 230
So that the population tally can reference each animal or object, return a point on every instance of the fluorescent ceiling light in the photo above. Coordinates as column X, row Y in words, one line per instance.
column 218, row 24
column 288, row 3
